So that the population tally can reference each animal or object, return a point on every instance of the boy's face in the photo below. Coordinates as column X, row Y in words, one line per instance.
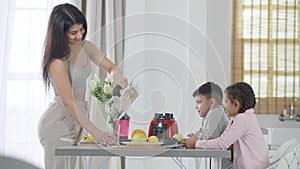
column 202, row 105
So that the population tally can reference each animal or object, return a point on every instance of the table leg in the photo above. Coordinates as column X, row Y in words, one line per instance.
column 219, row 163
column 197, row 163
column 215, row 163
column 179, row 162
column 67, row 162
column 86, row 162
column 104, row 162
column 122, row 162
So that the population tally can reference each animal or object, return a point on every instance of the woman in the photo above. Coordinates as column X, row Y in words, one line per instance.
column 66, row 66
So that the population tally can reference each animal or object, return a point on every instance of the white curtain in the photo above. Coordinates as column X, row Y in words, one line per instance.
column 21, row 90
column 5, row 36
column 105, row 29
column 22, row 95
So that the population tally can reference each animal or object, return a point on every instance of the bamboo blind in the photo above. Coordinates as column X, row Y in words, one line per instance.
column 265, row 51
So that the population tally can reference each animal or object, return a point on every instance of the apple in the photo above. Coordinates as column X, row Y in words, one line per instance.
column 140, row 138
column 152, row 139
column 179, row 137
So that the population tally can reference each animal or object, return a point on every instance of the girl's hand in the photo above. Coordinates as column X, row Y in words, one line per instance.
column 190, row 142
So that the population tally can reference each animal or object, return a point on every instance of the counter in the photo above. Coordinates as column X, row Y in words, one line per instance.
column 277, row 132
column 272, row 121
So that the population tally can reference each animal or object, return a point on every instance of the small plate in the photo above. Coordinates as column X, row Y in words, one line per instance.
column 87, row 142
column 171, row 141
column 143, row 144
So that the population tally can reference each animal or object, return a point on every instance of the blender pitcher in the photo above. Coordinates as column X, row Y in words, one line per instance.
column 122, row 127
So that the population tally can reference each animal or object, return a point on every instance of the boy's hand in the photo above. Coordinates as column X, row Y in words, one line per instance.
column 190, row 142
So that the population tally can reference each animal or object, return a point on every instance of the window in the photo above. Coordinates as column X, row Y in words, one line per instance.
column 265, row 51
column 22, row 93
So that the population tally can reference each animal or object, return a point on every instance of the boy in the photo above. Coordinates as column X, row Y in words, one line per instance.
column 208, row 98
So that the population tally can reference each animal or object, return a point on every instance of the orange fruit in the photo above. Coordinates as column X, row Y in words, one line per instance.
column 137, row 131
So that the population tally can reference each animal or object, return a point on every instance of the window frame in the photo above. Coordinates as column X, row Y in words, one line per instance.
column 271, row 103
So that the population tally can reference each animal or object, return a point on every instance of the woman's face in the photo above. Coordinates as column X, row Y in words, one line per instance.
column 75, row 33
column 231, row 107
column 202, row 105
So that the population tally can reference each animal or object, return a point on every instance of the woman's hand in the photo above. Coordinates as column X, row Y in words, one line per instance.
column 190, row 142
column 119, row 79
column 105, row 138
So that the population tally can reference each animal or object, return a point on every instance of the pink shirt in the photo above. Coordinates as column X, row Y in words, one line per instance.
column 249, row 149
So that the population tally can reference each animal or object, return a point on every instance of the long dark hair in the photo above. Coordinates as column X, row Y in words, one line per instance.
column 242, row 92
column 56, row 44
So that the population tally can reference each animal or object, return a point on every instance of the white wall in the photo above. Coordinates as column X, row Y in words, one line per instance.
column 173, row 46
column 219, row 32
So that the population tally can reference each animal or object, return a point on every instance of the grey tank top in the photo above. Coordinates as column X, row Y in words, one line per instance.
column 78, row 76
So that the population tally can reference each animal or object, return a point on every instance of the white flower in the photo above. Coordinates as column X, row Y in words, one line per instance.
column 107, row 89
column 93, row 85
column 108, row 80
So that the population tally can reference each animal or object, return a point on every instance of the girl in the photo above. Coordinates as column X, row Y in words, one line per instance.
column 66, row 66
column 243, row 131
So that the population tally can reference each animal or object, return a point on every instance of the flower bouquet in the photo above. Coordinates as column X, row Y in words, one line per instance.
column 102, row 91
column 115, row 106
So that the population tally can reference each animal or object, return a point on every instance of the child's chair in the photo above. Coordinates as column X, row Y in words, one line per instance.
column 287, row 156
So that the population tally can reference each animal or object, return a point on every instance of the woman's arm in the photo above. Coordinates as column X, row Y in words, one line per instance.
column 102, row 61
column 58, row 71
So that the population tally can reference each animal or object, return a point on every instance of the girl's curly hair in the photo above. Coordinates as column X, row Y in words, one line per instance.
column 243, row 93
